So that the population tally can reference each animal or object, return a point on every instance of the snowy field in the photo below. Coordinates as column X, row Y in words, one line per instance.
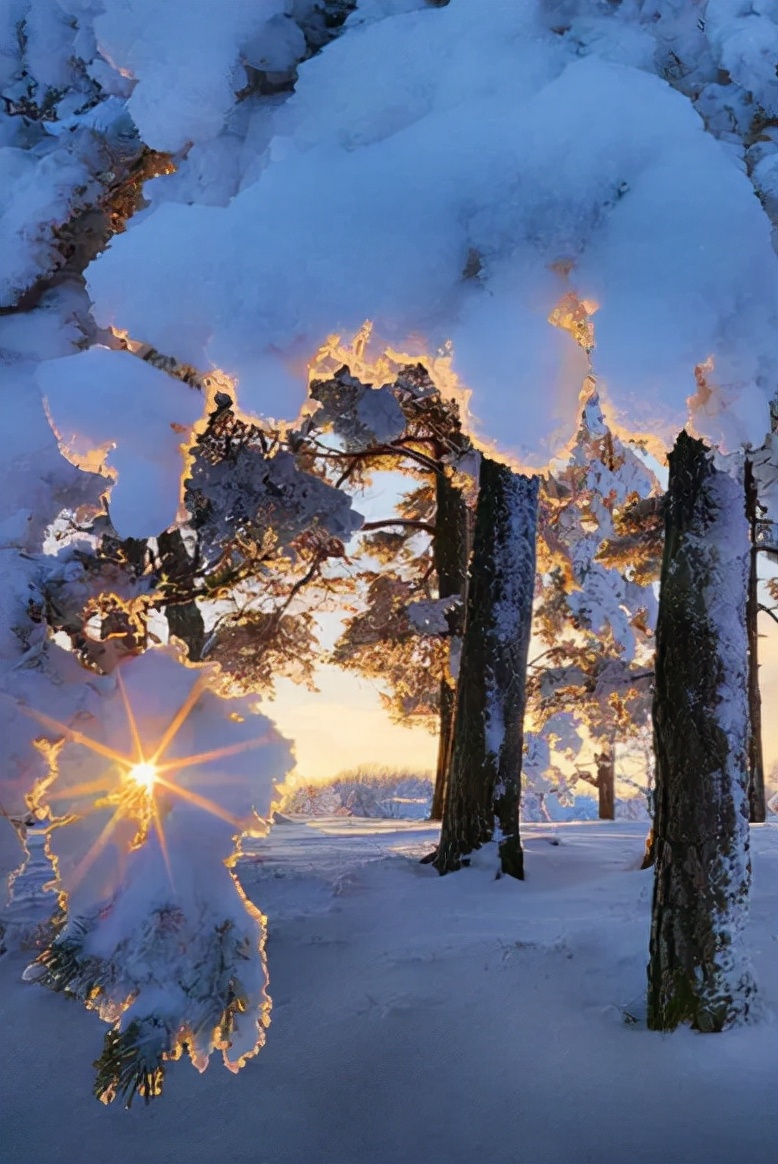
column 425, row 1019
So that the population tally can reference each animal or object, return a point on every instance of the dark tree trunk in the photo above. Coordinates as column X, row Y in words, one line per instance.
column 448, row 698
column 451, row 550
column 698, row 970
column 606, row 783
column 757, row 807
column 184, row 619
column 485, row 772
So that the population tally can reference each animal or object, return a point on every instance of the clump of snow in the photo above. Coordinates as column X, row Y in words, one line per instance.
column 187, row 60
column 113, row 410
column 40, row 191
column 474, row 137
column 153, row 913
column 744, row 38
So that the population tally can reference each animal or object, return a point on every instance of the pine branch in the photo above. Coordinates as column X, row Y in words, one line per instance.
column 132, row 1063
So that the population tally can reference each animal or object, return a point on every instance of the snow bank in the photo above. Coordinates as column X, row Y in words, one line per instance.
column 419, row 1018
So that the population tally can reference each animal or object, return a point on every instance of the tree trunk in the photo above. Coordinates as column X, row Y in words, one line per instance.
column 756, row 790
column 451, row 550
column 606, row 783
column 698, row 969
column 185, row 621
column 184, row 618
column 484, row 787
column 448, row 697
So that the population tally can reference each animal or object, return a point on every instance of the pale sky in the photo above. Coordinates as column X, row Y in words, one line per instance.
column 344, row 725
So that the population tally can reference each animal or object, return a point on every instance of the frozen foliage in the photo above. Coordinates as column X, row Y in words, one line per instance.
column 35, row 483
column 187, row 64
column 363, row 792
column 546, row 764
column 113, row 411
column 159, row 938
column 358, row 413
column 40, row 190
column 743, row 35
column 264, row 496
column 594, row 618
column 601, row 476
column 619, row 186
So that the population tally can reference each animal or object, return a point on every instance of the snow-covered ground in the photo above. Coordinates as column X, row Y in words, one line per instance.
column 419, row 1019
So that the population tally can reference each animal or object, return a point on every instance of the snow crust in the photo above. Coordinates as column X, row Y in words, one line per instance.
column 396, row 994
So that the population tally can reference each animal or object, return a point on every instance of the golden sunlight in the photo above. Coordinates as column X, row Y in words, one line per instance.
column 142, row 781
column 144, row 774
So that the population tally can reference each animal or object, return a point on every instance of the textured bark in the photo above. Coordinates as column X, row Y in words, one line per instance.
column 757, row 806
column 184, row 619
column 485, row 773
column 698, row 971
column 451, row 552
column 606, row 783
column 448, row 701
column 186, row 622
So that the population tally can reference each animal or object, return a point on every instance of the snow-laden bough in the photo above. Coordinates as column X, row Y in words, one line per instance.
column 148, row 798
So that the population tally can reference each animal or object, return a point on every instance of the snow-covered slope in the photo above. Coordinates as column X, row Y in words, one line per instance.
column 420, row 1019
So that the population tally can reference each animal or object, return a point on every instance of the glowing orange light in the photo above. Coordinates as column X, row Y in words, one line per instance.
column 142, row 779
column 144, row 774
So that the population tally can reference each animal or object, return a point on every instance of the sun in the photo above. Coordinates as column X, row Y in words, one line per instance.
column 148, row 777
column 144, row 774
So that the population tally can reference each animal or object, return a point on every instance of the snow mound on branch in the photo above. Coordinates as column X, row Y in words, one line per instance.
column 153, row 913
column 744, row 38
column 39, row 191
column 238, row 783
column 450, row 174
column 111, row 408
column 186, row 60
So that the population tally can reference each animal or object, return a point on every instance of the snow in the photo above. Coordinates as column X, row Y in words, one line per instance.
column 114, row 410
column 488, row 138
column 186, row 62
column 451, row 177
column 455, row 1019
column 39, row 192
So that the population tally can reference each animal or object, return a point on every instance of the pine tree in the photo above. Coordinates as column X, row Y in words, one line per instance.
column 410, row 605
column 596, row 605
